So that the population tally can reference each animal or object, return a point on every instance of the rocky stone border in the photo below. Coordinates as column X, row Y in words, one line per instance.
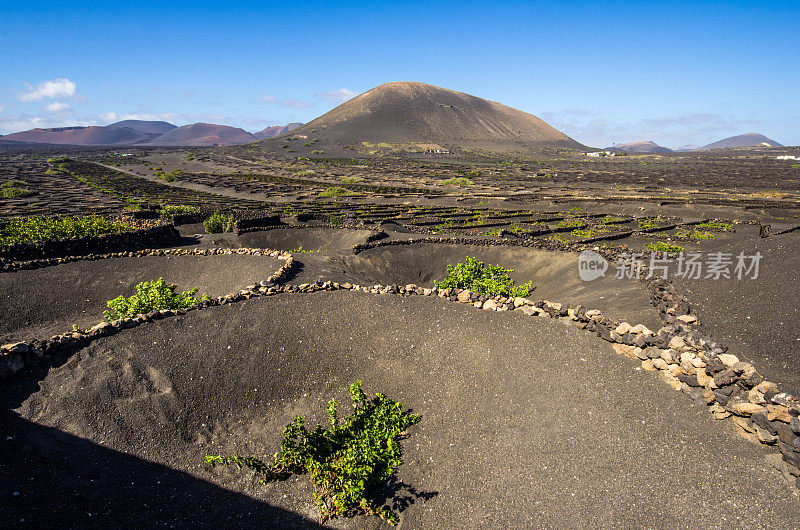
column 162, row 234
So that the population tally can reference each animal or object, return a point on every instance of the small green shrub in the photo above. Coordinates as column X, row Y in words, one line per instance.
column 716, row 225
column 649, row 223
column 168, row 211
column 661, row 246
column 33, row 229
column 590, row 232
column 344, row 462
column 458, row 181
column 612, row 219
column 168, row 177
column 336, row 191
column 219, row 222
column 305, row 173
column 352, row 180
column 571, row 223
column 695, row 234
column 150, row 296
column 302, row 250
column 13, row 184
column 13, row 192
column 483, row 279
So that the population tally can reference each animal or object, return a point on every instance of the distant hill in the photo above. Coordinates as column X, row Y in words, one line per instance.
column 276, row 130
column 144, row 126
column 204, row 134
column 687, row 147
column 639, row 147
column 742, row 140
column 410, row 112
column 81, row 136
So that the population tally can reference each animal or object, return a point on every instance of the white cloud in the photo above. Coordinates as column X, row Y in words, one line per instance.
column 337, row 96
column 288, row 103
column 21, row 122
column 57, row 106
column 108, row 117
column 55, row 88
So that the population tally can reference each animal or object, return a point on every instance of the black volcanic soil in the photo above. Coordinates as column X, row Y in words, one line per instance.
column 525, row 422
column 39, row 303
column 757, row 319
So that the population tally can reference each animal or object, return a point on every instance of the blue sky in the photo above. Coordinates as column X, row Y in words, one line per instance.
column 602, row 72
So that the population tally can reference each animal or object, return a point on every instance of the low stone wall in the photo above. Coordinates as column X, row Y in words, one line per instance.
column 163, row 234
column 539, row 244
column 256, row 223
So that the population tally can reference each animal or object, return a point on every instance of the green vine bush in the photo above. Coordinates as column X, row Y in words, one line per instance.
column 168, row 211
column 219, row 222
column 345, row 462
column 662, row 246
column 483, row 279
column 35, row 229
column 150, row 296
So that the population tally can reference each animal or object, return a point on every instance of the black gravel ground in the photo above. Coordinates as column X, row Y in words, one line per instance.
column 525, row 423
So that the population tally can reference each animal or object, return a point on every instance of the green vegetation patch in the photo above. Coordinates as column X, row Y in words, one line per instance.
column 168, row 211
column 696, row 234
column 336, row 191
column 168, row 177
column 662, row 246
column 571, row 223
column 716, row 226
column 458, row 181
column 650, row 223
column 483, row 279
column 345, row 462
column 588, row 233
column 219, row 222
column 14, row 192
column 150, row 296
column 352, row 180
column 35, row 229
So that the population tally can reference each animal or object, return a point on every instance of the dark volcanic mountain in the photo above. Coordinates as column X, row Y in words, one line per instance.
column 144, row 126
column 276, row 130
column 409, row 112
column 742, row 140
column 204, row 134
column 81, row 136
column 639, row 147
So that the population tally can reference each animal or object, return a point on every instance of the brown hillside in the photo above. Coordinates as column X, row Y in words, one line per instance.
column 80, row 136
column 404, row 112
column 204, row 134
